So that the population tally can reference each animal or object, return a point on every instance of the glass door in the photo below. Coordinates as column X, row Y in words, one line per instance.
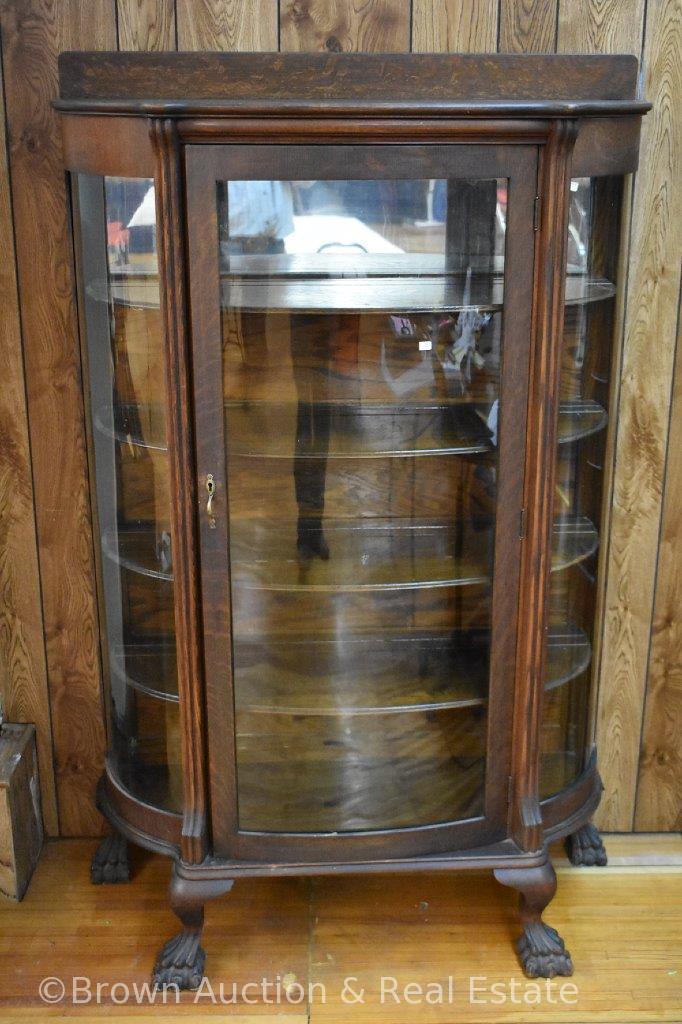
column 361, row 321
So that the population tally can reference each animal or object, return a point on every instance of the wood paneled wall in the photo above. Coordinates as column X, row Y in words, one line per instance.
column 49, row 667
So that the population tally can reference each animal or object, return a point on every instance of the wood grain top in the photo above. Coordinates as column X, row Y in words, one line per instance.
column 347, row 76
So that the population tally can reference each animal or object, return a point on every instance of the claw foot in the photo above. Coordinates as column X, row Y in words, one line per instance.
column 585, row 847
column 110, row 863
column 542, row 952
column 180, row 962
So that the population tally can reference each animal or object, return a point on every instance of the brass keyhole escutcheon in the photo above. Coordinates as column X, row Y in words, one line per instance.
column 210, row 490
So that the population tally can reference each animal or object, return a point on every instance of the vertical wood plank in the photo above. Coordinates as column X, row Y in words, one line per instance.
column 336, row 25
column 454, row 26
column 146, row 24
column 651, row 317
column 600, row 26
column 23, row 669
column 606, row 26
column 33, row 33
column 227, row 24
column 659, row 794
column 528, row 26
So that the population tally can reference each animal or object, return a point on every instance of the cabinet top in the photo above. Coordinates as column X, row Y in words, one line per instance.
column 180, row 84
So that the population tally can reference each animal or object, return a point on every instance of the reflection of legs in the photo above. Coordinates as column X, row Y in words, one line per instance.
column 312, row 435
column 585, row 847
column 311, row 339
column 181, row 960
column 541, row 949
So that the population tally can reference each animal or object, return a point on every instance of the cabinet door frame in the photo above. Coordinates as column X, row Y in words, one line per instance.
column 205, row 165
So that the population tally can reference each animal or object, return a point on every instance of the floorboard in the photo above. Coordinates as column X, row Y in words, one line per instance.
column 622, row 924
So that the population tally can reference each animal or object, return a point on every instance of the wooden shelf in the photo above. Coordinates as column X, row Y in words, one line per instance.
column 395, row 284
column 268, row 429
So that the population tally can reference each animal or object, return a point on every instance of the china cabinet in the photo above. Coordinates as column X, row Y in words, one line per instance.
column 347, row 331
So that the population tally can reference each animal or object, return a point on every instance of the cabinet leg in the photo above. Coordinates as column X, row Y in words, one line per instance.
column 181, row 960
column 585, row 847
column 110, row 863
column 541, row 949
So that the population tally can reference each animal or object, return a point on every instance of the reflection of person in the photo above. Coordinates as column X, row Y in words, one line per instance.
column 259, row 216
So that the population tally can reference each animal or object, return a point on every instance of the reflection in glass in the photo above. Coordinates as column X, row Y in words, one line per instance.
column 125, row 356
column 589, row 322
column 362, row 327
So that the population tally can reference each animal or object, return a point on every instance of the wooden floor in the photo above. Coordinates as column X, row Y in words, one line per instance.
column 622, row 924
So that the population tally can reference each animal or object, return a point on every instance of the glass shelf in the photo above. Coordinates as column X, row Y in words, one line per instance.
column 384, row 556
column 417, row 289
column 313, row 773
column 353, row 675
column 150, row 667
column 593, row 246
column 370, row 555
column 141, row 551
column 265, row 429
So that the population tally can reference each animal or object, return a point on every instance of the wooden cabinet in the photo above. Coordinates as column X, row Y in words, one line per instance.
column 347, row 329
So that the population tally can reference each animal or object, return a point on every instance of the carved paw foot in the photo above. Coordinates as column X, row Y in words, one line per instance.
column 110, row 863
column 586, row 847
column 180, row 962
column 542, row 952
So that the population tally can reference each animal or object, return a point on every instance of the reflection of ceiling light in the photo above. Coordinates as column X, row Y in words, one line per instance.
column 331, row 234
column 145, row 214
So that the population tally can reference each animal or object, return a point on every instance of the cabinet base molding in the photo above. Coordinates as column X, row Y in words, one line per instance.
column 586, row 848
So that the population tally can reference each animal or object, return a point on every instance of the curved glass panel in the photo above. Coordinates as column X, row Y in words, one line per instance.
column 585, row 387
column 116, row 229
column 362, row 335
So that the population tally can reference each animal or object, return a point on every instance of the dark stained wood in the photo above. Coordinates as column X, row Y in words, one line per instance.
column 33, row 33
column 146, row 24
column 345, row 25
column 541, row 949
column 553, row 185
column 170, row 215
column 350, row 129
column 606, row 146
column 97, row 145
column 144, row 824
column 21, row 826
column 312, row 78
column 528, row 26
column 23, row 677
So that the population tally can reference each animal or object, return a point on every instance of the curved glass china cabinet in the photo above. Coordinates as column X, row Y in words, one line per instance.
column 347, row 329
